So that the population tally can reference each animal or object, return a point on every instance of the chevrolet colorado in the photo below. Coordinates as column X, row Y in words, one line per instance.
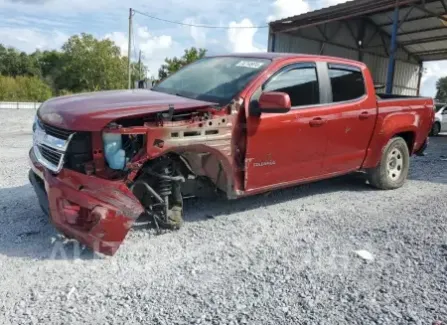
column 236, row 125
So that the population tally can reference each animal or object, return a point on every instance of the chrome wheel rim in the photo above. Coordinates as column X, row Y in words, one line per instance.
column 395, row 164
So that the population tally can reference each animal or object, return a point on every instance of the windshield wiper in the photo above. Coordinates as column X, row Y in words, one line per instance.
column 183, row 95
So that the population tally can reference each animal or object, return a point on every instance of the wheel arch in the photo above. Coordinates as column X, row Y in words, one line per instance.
column 204, row 161
column 409, row 137
column 374, row 153
column 392, row 170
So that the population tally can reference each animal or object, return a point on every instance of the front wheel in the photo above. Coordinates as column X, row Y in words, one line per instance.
column 159, row 191
column 392, row 171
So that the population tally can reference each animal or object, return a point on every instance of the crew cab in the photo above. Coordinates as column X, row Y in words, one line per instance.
column 234, row 125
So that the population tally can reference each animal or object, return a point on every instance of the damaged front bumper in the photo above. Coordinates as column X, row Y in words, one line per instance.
column 97, row 212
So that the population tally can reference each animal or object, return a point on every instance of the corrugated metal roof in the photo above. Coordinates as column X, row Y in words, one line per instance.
column 339, row 11
column 422, row 26
column 319, row 11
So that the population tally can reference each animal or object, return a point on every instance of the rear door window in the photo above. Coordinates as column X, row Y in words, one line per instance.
column 347, row 83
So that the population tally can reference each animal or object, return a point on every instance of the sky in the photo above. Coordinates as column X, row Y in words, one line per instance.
column 47, row 24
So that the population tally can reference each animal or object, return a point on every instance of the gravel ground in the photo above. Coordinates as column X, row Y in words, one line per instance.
column 288, row 257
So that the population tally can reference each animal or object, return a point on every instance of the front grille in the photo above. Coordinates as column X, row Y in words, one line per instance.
column 76, row 152
column 53, row 156
column 50, row 145
column 55, row 131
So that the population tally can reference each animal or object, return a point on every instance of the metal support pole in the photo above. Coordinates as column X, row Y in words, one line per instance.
column 421, row 71
column 361, row 39
column 273, row 41
column 322, row 48
column 129, row 50
column 393, row 47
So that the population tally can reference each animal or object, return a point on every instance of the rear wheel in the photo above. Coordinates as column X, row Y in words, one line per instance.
column 436, row 129
column 392, row 171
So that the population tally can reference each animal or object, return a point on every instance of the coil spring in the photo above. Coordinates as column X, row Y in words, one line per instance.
column 165, row 185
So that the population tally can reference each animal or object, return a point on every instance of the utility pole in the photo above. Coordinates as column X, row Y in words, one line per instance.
column 139, row 66
column 129, row 49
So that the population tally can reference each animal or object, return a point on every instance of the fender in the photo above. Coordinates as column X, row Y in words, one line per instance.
column 388, row 127
column 205, row 144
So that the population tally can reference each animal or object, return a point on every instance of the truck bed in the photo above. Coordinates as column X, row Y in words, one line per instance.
column 410, row 115
column 393, row 96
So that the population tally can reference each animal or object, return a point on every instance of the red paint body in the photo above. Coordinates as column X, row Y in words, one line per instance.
column 257, row 153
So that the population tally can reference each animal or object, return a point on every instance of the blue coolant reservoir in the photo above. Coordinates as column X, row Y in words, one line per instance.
column 113, row 150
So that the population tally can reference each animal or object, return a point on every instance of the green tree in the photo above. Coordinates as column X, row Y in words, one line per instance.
column 138, row 72
column 36, row 89
column 14, row 63
column 91, row 65
column 172, row 65
column 51, row 65
column 84, row 64
column 441, row 89
column 23, row 88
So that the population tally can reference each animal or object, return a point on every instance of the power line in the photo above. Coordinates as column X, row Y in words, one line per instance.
column 195, row 25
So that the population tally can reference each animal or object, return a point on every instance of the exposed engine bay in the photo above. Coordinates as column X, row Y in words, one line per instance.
column 163, row 159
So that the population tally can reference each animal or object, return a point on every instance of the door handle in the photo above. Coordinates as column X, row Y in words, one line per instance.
column 318, row 121
column 364, row 116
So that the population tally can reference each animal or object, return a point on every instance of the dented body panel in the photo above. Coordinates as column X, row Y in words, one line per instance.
column 239, row 153
column 93, row 111
column 96, row 212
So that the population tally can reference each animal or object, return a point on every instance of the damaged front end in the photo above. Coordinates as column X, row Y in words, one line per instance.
column 97, row 213
column 96, row 185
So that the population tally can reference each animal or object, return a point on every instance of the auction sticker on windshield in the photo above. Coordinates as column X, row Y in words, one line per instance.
column 250, row 64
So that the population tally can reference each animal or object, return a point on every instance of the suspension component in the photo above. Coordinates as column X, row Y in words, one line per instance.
column 165, row 187
column 148, row 188
column 165, row 176
column 165, row 184
column 160, row 192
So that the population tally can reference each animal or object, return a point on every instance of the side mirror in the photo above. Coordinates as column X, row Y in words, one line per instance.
column 274, row 102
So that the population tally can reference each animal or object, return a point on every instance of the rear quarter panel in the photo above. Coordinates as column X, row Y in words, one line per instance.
column 396, row 116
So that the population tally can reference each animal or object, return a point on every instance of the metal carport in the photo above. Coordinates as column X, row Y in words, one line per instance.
column 393, row 37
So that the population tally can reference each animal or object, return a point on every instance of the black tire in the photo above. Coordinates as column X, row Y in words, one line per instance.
column 436, row 129
column 392, row 171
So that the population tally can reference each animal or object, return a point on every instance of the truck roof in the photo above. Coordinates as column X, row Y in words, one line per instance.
column 284, row 56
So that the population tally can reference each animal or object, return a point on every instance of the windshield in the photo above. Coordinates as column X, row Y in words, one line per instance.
column 216, row 79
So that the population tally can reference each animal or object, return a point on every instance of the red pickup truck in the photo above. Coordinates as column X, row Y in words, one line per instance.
column 236, row 125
